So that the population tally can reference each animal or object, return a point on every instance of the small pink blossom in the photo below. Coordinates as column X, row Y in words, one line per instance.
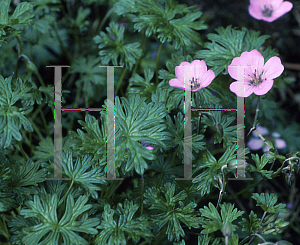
column 269, row 10
column 257, row 143
column 195, row 73
column 258, row 77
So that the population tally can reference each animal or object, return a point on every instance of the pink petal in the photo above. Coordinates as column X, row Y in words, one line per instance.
column 280, row 144
column 262, row 130
column 266, row 148
column 200, row 68
column 273, row 68
column 255, row 10
column 263, row 88
column 176, row 83
column 276, row 135
column 181, row 71
column 248, row 90
column 207, row 78
column 253, row 58
column 282, row 9
column 255, row 144
column 232, row 68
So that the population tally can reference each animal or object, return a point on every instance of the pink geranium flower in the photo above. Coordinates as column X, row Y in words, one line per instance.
column 195, row 73
column 258, row 77
column 269, row 10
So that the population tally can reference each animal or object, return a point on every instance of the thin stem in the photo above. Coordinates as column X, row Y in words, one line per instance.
column 64, row 49
column 120, row 81
column 104, row 20
column 44, row 121
column 6, row 234
column 62, row 200
column 22, row 151
column 256, row 115
column 114, row 189
column 157, row 61
column 264, row 140
column 142, row 46
column 142, row 196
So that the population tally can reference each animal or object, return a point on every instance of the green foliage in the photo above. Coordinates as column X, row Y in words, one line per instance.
column 120, row 230
column 114, row 48
column 172, row 210
column 230, row 43
column 267, row 202
column 11, row 116
column 261, row 163
column 253, row 225
column 21, row 15
column 39, row 219
column 141, row 122
column 215, row 221
column 162, row 22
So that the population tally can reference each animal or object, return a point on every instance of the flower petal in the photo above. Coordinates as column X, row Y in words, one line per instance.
column 273, row 68
column 183, row 71
column 282, row 9
column 255, row 10
column 206, row 78
column 263, row 88
column 176, row 83
column 255, row 144
column 276, row 135
column 254, row 59
column 248, row 90
column 280, row 143
column 232, row 68
column 262, row 130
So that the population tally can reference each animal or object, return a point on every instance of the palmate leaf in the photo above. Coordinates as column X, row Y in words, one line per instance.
column 177, row 140
column 118, row 231
column 141, row 122
column 114, row 48
column 172, row 210
column 12, row 118
column 216, row 222
column 41, row 221
column 251, row 226
column 165, row 23
column 261, row 163
column 230, row 43
column 78, row 173
column 267, row 202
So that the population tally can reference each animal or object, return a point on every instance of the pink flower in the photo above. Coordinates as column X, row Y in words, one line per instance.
column 258, row 77
column 256, row 143
column 195, row 73
column 268, row 10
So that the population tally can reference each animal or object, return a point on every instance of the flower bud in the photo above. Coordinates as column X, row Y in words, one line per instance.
column 227, row 229
column 282, row 242
column 219, row 129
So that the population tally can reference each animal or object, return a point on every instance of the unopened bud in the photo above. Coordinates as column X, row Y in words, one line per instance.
column 282, row 242
column 227, row 229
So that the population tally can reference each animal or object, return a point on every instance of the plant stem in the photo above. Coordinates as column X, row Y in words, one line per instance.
column 44, row 121
column 157, row 61
column 256, row 115
column 120, row 81
column 6, row 232
column 114, row 189
column 264, row 140
column 65, row 196
column 22, row 151
column 142, row 196
column 104, row 20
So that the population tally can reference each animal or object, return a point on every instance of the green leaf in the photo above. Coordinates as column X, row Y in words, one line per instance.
column 141, row 122
column 267, row 202
column 119, row 226
column 253, row 225
column 114, row 49
column 21, row 14
column 174, row 23
column 172, row 210
column 78, row 172
column 261, row 163
column 216, row 222
column 12, row 117
column 47, row 229
column 4, row 7
column 228, row 44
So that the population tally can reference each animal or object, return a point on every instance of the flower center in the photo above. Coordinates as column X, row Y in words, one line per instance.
column 267, row 12
column 195, row 83
column 256, row 79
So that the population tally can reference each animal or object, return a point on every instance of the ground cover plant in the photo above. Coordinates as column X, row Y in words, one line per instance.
column 185, row 170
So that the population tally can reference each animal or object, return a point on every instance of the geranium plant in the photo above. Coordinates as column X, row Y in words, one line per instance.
column 97, row 146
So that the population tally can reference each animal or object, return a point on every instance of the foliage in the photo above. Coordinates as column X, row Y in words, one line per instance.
column 152, row 196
